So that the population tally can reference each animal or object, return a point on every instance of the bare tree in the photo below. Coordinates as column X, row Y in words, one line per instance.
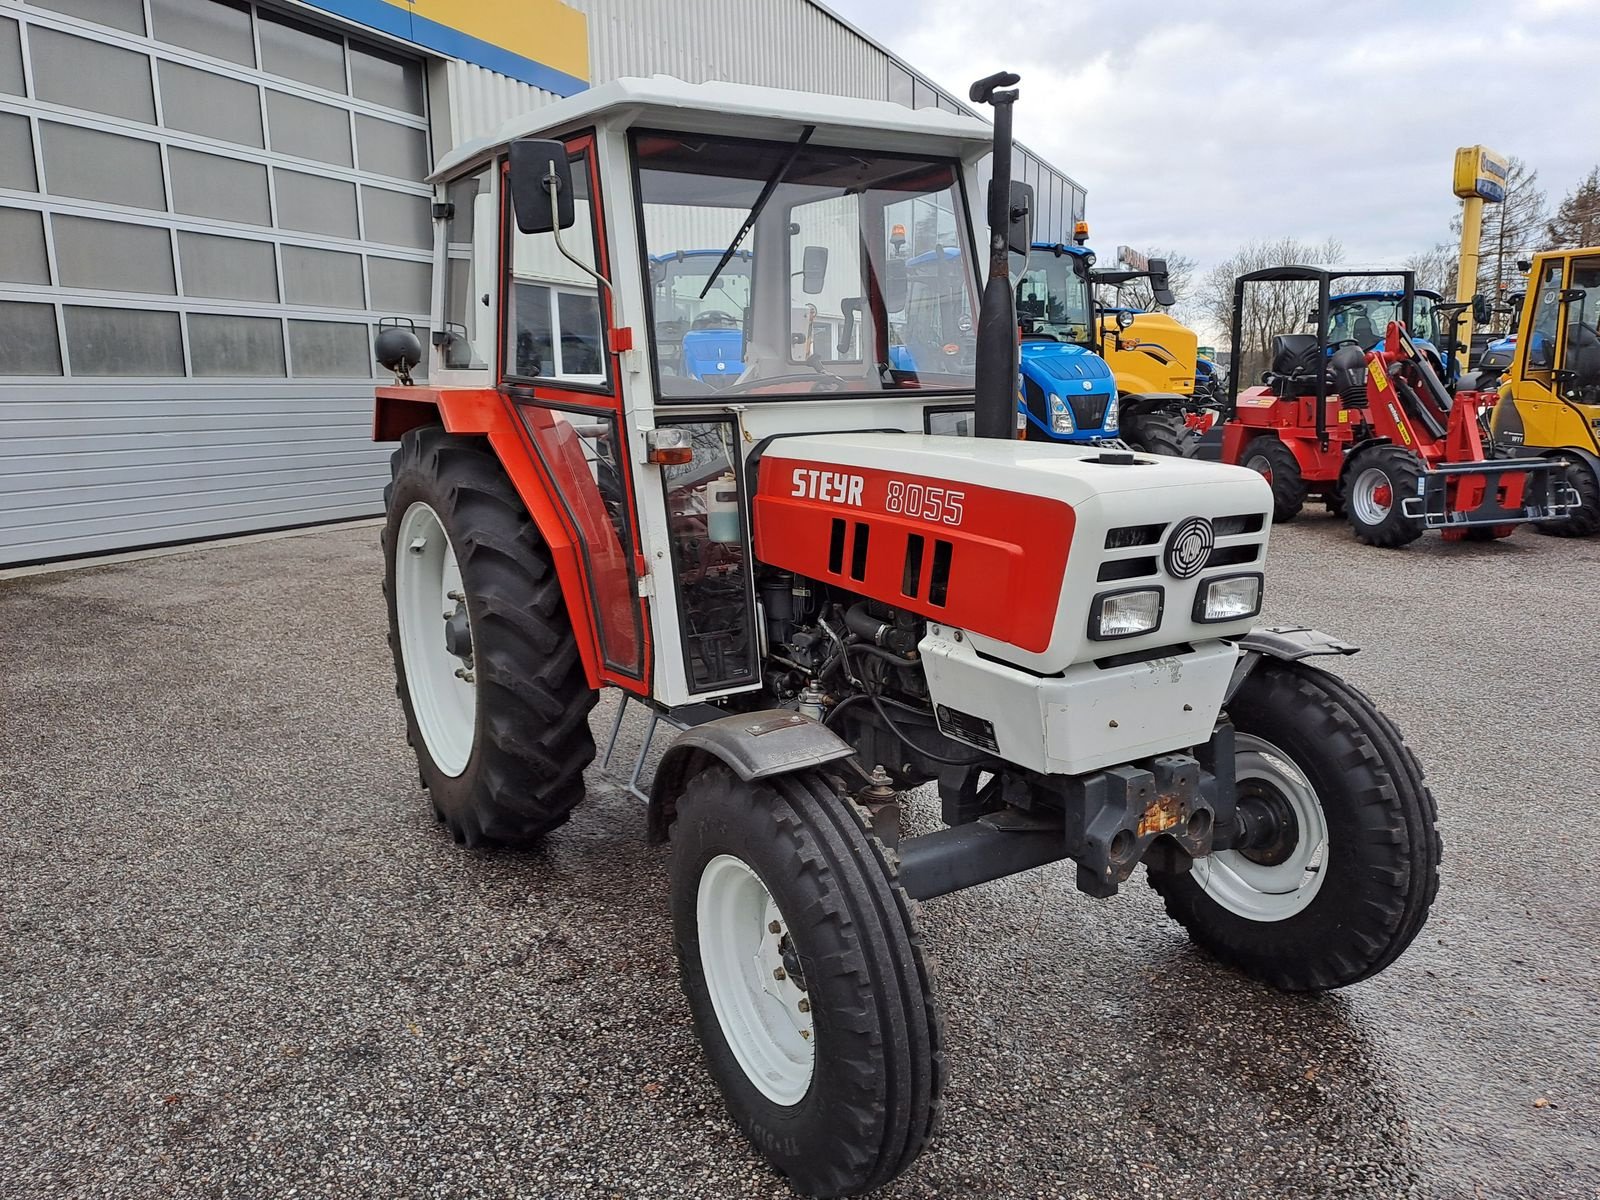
column 1270, row 308
column 1577, row 219
column 1436, row 269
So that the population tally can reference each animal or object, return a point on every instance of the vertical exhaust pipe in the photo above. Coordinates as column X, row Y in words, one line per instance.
column 995, row 376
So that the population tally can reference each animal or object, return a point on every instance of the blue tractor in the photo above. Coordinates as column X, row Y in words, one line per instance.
column 1362, row 317
column 703, row 338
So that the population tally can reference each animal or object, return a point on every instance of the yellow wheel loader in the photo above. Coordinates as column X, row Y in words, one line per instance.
column 1550, row 391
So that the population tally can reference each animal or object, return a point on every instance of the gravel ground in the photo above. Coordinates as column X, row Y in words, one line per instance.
column 240, row 959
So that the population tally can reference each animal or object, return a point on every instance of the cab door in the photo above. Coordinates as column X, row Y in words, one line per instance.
column 558, row 366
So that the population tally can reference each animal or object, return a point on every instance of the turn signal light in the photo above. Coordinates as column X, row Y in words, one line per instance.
column 668, row 446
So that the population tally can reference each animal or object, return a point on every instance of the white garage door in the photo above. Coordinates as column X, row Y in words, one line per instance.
column 205, row 206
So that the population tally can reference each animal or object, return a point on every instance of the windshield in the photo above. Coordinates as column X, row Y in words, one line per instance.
column 1365, row 319
column 1053, row 298
column 856, row 278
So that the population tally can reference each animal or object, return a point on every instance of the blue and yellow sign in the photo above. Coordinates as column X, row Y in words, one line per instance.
column 542, row 42
column 1482, row 173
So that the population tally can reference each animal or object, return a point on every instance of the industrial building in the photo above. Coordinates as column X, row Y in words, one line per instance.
column 207, row 205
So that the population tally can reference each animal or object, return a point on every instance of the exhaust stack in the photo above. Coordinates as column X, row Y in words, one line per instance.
column 995, row 376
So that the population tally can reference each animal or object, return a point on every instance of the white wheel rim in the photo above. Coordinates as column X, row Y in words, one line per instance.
column 1253, row 890
column 443, row 691
column 763, row 1011
column 1364, row 500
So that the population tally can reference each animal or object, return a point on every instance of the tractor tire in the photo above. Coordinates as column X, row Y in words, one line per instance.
column 1276, row 463
column 501, row 748
column 781, row 898
column 1334, row 501
column 1160, row 433
column 1350, row 882
column 1586, row 521
column 1375, row 482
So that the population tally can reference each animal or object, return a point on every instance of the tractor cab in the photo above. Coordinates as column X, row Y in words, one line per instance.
column 1066, row 391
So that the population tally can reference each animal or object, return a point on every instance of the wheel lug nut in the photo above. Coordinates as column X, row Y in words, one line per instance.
column 779, row 973
column 774, row 927
column 454, row 596
column 465, row 675
column 804, row 1005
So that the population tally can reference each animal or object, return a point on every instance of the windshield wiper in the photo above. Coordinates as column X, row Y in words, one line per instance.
column 761, row 203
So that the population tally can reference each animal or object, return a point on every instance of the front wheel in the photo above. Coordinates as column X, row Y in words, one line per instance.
column 1159, row 433
column 1585, row 519
column 1341, row 856
column 804, row 970
column 1376, row 485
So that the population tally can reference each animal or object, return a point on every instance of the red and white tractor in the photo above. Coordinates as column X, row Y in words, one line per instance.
column 837, row 599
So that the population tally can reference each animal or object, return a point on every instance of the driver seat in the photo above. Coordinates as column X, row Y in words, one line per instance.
column 1364, row 332
column 1296, row 362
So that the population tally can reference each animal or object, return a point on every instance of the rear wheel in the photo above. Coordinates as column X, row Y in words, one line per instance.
column 1341, row 859
column 1276, row 463
column 495, row 698
column 1376, row 485
column 1159, row 433
column 1586, row 519
column 805, row 974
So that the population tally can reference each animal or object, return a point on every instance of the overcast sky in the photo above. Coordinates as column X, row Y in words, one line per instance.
column 1196, row 126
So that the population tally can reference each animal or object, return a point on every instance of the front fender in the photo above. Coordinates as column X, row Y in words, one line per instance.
column 755, row 745
column 1286, row 643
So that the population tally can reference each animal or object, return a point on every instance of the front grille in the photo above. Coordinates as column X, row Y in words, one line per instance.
column 1089, row 411
column 1125, row 536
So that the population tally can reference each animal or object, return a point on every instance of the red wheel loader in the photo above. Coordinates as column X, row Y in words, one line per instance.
column 836, row 599
column 1375, row 433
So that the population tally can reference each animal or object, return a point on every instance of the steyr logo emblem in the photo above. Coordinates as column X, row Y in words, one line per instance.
column 836, row 487
column 1188, row 547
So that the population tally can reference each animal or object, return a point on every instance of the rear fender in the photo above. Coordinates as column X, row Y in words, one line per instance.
column 484, row 412
column 756, row 745
column 1286, row 643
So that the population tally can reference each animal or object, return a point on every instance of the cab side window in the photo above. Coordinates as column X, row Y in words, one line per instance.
column 470, row 282
column 1546, row 318
column 555, row 328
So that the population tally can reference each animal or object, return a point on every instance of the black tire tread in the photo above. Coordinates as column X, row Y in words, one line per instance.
column 1395, row 808
column 1403, row 469
column 853, row 878
column 1160, row 433
column 1288, row 485
column 1586, row 521
column 534, row 741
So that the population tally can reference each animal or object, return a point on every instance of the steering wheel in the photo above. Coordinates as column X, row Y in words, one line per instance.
column 820, row 382
column 715, row 319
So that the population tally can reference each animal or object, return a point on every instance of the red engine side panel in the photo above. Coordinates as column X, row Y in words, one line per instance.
column 989, row 561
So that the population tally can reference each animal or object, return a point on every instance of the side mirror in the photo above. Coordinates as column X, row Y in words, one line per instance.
column 1019, row 237
column 813, row 269
column 894, row 284
column 1124, row 319
column 534, row 164
column 1160, row 285
column 1482, row 310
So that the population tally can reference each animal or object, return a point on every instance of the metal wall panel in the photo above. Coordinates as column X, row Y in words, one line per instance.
column 175, row 401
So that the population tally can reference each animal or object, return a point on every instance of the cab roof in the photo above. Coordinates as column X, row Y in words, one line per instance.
column 736, row 109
